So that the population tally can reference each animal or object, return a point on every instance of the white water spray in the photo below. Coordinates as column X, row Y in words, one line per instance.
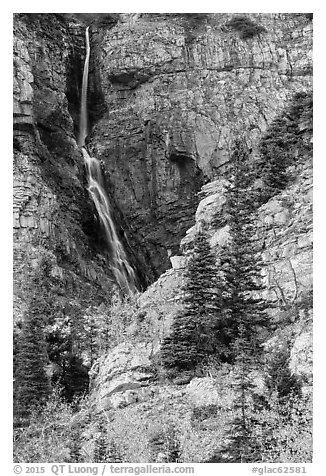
column 122, row 271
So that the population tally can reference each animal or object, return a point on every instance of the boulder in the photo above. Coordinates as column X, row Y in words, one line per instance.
column 203, row 391
column 301, row 356
column 117, row 375
column 178, row 262
column 301, row 350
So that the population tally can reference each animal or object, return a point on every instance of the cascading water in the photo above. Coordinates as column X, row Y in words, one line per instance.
column 122, row 271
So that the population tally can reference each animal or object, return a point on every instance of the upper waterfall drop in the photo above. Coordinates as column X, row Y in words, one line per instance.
column 121, row 269
column 83, row 124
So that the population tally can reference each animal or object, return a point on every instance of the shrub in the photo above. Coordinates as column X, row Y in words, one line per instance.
column 202, row 413
column 48, row 437
column 75, row 447
column 152, row 430
column 284, row 430
column 310, row 16
column 205, row 418
column 246, row 27
column 165, row 445
column 193, row 24
column 128, row 433
column 278, row 375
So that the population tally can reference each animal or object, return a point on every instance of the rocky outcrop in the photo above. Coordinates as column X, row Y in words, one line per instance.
column 286, row 227
column 120, row 375
column 176, row 89
column 301, row 357
column 285, row 231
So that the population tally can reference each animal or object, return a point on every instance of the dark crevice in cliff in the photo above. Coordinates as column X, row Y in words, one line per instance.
column 191, row 177
column 96, row 103
column 74, row 79
column 132, row 239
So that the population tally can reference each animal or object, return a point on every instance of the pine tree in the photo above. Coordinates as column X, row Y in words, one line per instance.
column 31, row 382
column 75, row 378
column 245, row 313
column 101, row 446
column 32, row 386
column 279, row 378
column 193, row 329
column 240, row 259
column 105, row 450
column 62, row 341
column 75, row 447
column 285, row 144
column 179, row 349
column 243, row 446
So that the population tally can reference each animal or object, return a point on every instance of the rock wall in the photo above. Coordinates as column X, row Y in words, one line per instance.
column 53, row 215
column 175, row 90
column 167, row 94
column 118, row 377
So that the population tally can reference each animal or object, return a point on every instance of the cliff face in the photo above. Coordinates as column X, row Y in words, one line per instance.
column 53, row 215
column 167, row 94
column 175, row 90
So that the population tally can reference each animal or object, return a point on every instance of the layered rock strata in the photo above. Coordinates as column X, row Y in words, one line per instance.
column 167, row 93
column 176, row 90
column 53, row 215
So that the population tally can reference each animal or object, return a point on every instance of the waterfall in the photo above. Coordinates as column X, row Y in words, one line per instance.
column 122, row 271
column 83, row 125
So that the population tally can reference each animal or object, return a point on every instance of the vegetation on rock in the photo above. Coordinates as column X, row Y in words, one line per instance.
column 105, row 450
column 286, row 143
column 49, row 437
column 165, row 445
column 245, row 26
